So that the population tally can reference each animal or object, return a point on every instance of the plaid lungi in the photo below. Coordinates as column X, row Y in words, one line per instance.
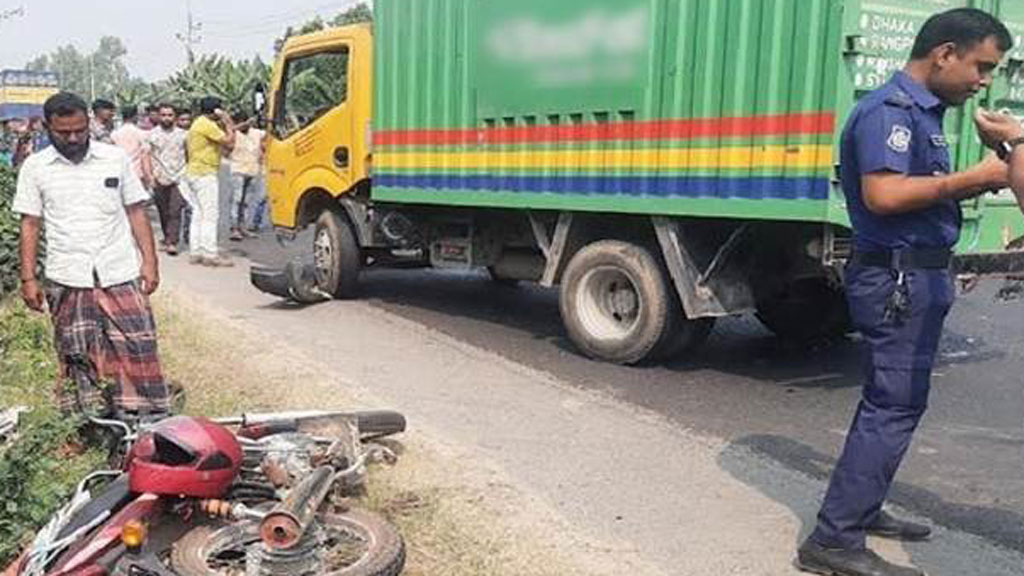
column 114, row 329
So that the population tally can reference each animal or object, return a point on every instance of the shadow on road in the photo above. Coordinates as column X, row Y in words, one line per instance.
column 738, row 347
column 1001, row 526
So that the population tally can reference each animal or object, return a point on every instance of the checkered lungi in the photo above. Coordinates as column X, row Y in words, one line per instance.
column 114, row 329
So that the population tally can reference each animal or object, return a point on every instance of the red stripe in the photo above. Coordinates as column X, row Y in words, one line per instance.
column 814, row 123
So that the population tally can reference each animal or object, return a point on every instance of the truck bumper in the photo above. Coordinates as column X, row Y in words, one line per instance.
column 999, row 263
column 273, row 281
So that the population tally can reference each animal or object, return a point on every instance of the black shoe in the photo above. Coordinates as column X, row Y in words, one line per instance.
column 886, row 526
column 816, row 559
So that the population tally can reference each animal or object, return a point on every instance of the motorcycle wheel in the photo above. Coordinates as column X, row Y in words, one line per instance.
column 358, row 543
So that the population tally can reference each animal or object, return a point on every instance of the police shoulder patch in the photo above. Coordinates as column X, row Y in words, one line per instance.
column 899, row 139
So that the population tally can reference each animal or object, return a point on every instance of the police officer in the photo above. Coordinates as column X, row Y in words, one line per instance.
column 903, row 202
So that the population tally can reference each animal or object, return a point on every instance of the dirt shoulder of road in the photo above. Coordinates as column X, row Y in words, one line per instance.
column 459, row 517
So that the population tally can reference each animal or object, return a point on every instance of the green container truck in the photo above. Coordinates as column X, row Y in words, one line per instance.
column 664, row 162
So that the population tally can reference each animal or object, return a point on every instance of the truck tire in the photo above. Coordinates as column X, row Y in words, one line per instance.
column 617, row 303
column 336, row 256
column 808, row 311
column 220, row 550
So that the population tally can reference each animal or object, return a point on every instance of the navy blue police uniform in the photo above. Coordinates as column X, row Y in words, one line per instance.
column 899, row 289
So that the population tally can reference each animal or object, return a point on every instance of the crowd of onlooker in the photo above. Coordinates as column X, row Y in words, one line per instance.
column 19, row 138
column 182, row 156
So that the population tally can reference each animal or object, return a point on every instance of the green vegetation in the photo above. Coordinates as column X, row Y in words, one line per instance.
column 357, row 14
column 40, row 468
column 8, row 234
column 103, row 72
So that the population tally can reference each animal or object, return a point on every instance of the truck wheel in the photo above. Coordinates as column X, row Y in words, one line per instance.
column 811, row 310
column 616, row 302
column 336, row 256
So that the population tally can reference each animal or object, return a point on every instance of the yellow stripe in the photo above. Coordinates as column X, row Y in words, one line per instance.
column 25, row 94
column 669, row 159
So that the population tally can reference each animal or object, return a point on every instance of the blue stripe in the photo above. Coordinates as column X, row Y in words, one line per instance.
column 753, row 188
column 23, row 111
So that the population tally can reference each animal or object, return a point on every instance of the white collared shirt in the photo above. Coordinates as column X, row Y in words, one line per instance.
column 83, row 211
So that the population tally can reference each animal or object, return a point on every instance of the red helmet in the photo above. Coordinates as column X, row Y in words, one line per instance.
column 184, row 456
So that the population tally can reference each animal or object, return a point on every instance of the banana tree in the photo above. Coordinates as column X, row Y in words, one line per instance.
column 232, row 82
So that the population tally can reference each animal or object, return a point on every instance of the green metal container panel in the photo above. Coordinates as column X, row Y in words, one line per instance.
column 713, row 108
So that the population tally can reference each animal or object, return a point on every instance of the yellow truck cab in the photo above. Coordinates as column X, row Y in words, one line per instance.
column 320, row 113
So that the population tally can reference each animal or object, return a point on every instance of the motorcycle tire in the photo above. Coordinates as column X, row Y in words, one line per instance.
column 384, row 555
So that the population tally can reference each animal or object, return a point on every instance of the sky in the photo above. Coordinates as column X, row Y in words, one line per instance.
column 235, row 28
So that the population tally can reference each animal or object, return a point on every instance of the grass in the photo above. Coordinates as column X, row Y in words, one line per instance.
column 447, row 528
column 40, row 468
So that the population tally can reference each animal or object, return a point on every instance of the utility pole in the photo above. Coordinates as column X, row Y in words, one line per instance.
column 92, row 77
column 191, row 37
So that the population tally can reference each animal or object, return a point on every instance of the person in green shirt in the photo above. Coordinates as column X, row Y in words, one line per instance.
column 211, row 136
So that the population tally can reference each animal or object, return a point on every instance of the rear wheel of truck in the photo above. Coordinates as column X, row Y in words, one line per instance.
column 806, row 311
column 617, row 303
column 336, row 256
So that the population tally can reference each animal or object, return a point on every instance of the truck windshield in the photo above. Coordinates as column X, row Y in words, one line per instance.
column 313, row 85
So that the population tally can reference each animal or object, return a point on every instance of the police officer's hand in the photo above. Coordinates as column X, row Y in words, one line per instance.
column 991, row 174
column 995, row 128
column 32, row 294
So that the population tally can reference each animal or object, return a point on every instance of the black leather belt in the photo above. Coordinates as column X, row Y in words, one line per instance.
column 909, row 259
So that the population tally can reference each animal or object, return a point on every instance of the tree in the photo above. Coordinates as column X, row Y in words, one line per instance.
column 357, row 14
column 232, row 82
column 135, row 92
column 100, row 73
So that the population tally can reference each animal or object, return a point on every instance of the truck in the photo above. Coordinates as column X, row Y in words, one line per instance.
column 663, row 163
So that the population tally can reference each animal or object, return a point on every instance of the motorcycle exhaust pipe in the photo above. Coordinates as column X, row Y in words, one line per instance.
column 284, row 526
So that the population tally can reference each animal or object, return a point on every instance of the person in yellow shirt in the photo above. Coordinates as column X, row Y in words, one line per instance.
column 211, row 136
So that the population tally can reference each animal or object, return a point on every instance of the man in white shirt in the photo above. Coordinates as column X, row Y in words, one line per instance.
column 101, row 263
column 245, row 169
column 132, row 139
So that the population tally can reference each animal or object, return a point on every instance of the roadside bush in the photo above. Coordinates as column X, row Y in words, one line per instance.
column 8, row 234
column 40, row 468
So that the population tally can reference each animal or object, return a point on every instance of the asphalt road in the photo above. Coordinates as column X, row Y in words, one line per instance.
column 793, row 406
